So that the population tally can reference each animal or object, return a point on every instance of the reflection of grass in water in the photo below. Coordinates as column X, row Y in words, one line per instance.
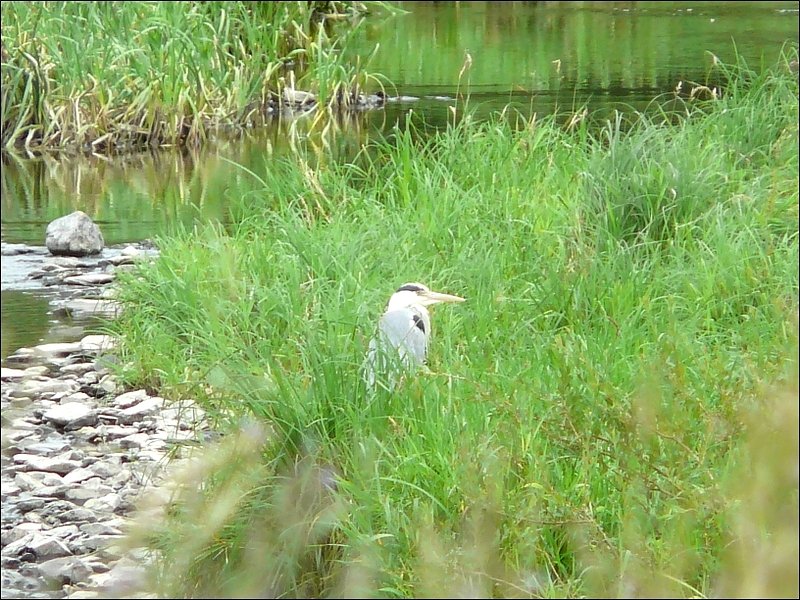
column 24, row 320
column 595, row 411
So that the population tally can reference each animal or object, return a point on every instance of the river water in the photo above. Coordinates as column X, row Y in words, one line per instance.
column 541, row 57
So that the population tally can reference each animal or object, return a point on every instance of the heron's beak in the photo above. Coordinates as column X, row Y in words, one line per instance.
column 436, row 297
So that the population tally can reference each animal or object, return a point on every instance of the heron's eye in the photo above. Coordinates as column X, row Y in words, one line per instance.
column 418, row 322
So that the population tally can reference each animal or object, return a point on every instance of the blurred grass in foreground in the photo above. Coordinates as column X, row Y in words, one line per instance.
column 612, row 412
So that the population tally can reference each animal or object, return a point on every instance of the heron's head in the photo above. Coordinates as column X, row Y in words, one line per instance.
column 410, row 294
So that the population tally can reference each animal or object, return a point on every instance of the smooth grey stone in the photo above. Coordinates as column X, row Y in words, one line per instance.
column 74, row 235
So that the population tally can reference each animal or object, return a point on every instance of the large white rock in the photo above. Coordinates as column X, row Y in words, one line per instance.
column 74, row 235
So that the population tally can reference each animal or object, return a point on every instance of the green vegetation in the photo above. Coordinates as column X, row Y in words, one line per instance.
column 119, row 76
column 612, row 412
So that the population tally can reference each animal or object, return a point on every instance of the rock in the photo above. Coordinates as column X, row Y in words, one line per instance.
column 45, row 547
column 97, row 343
column 56, row 464
column 14, row 249
column 27, row 504
column 35, row 480
column 85, row 594
column 77, row 397
column 104, row 528
column 77, row 368
column 105, row 469
column 17, row 546
column 136, row 412
column 78, row 515
column 137, row 440
column 64, row 531
column 36, row 387
column 108, row 384
column 79, row 495
column 12, row 374
column 71, row 415
column 77, row 476
column 62, row 571
column 89, row 279
column 52, row 445
column 123, row 580
column 108, row 503
column 115, row 432
column 37, row 371
column 298, row 97
column 85, row 307
column 74, row 235
column 129, row 399
column 57, row 349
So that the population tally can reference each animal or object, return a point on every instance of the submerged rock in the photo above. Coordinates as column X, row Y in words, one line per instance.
column 74, row 235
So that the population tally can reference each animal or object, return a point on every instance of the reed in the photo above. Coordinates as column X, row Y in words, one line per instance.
column 612, row 412
column 120, row 76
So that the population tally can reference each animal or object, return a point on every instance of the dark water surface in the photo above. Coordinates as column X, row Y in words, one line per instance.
column 534, row 56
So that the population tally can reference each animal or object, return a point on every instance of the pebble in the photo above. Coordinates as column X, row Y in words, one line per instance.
column 82, row 450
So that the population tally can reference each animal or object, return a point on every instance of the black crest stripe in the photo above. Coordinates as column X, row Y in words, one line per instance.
column 409, row 287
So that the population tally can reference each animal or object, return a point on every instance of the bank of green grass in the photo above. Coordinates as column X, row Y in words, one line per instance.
column 612, row 412
column 121, row 76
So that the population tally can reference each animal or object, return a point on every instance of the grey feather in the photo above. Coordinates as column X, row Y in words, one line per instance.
column 400, row 344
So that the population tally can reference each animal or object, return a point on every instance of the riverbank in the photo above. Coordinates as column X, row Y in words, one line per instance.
column 80, row 454
column 626, row 358
column 99, row 78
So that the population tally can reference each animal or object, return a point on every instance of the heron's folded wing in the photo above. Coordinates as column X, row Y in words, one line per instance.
column 399, row 328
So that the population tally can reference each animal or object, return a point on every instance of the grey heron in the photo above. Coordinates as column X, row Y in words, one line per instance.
column 404, row 332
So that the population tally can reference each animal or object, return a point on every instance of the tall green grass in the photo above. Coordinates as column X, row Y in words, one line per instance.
column 612, row 412
column 126, row 76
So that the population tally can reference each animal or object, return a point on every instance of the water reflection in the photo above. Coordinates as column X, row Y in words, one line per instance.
column 23, row 324
column 533, row 57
